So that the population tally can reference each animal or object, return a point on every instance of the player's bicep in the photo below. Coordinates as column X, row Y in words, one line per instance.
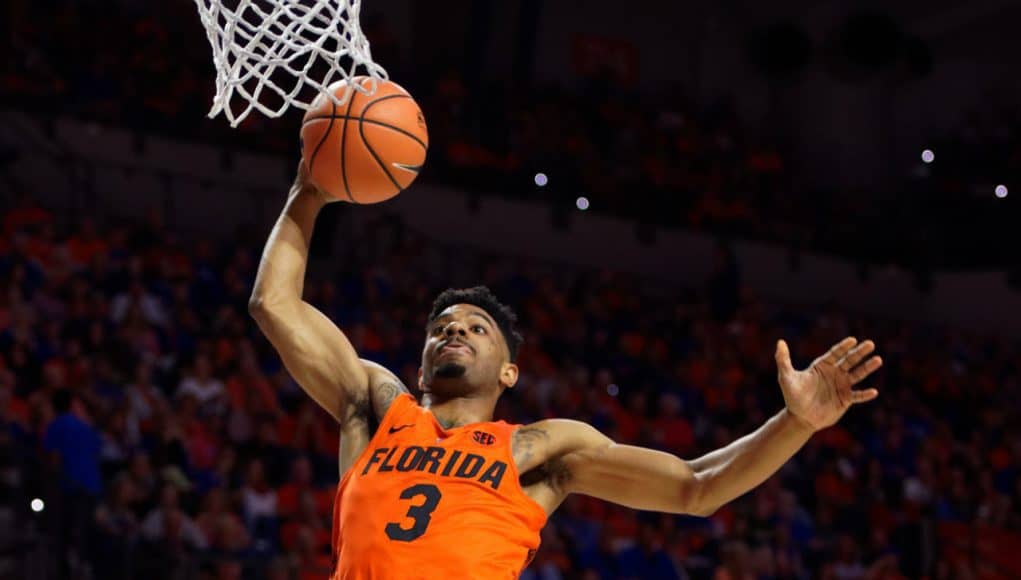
column 631, row 476
column 576, row 458
column 318, row 355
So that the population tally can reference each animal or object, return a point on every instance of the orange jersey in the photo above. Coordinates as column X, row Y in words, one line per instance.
column 427, row 502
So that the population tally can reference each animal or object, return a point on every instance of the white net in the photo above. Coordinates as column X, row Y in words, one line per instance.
column 273, row 54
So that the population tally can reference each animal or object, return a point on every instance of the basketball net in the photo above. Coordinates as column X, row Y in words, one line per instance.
column 297, row 40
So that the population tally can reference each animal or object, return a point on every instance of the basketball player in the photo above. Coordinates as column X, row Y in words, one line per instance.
column 437, row 489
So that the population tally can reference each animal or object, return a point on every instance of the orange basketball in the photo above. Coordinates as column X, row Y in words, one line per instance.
column 370, row 148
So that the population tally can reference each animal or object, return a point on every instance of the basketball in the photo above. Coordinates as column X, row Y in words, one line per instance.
column 370, row 148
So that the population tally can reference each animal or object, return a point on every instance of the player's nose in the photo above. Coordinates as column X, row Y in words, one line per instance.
column 455, row 328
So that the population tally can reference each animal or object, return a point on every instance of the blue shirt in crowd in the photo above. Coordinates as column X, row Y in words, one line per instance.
column 78, row 445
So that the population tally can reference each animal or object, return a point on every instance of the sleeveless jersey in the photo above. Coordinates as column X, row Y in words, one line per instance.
column 426, row 502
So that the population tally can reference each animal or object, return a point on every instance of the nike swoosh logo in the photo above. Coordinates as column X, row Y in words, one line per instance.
column 396, row 429
column 410, row 168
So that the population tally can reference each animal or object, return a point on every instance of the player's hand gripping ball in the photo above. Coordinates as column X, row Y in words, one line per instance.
column 370, row 148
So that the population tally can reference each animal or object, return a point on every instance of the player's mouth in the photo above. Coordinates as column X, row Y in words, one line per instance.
column 454, row 346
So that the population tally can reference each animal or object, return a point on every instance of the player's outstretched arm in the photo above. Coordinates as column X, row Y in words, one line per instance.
column 315, row 352
column 817, row 396
column 576, row 458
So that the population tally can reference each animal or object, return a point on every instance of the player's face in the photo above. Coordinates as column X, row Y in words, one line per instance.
column 465, row 351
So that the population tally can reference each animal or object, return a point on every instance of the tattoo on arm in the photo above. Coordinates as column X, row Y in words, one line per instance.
column 525, row 441
column 384, row 394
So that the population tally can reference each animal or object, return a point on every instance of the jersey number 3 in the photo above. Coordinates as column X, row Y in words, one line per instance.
column 422, row 514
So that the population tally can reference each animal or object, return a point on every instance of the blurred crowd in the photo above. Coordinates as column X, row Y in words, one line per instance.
column 662, row 158
column 141, row 404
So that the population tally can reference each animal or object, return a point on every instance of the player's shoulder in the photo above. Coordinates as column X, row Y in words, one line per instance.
column 549, row 428
column 376, row 370
column 536, row 443
column 384, row 387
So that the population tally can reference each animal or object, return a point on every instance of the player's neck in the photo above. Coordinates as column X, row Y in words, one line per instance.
column 456, row 411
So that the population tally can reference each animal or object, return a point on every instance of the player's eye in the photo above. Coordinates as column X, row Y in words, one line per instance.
column 437, row 329
column 479, row 329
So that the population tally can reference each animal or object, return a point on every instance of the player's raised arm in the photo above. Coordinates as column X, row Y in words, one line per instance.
column 314, row 350
column 582, row 460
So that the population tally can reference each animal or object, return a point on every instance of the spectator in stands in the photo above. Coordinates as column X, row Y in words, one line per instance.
column 74, row 446
column 222, row 527
column 207, row 390
column 117, row 531
column 736, row 563
column 171, row 528
column 259, row 505
column 647, row 559
column 139, row 299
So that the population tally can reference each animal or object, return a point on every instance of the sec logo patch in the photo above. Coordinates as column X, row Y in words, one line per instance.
column 483, row 438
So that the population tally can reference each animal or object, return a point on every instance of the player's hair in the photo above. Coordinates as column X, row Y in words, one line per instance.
column 482, row 297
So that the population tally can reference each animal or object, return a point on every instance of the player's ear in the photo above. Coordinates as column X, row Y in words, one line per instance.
column 420, row 386
column 508, row 375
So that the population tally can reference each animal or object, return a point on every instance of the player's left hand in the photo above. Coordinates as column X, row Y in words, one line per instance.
column 303, row 185
column 821, row 394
